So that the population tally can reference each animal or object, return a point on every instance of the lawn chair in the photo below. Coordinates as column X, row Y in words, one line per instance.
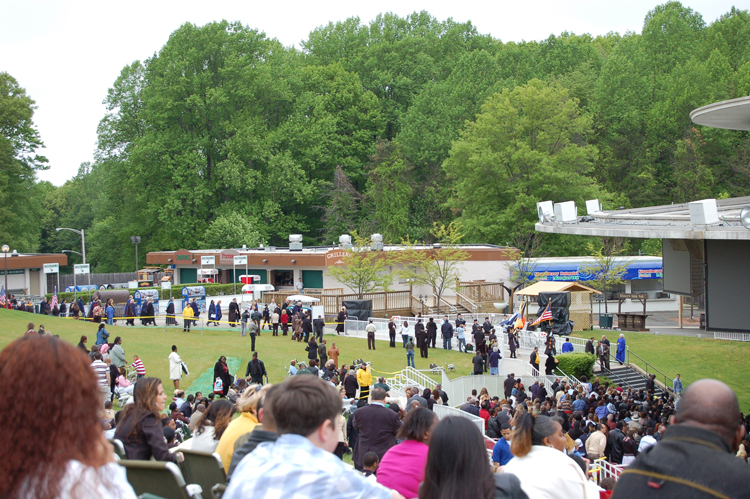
column 450, row 367
column 162, row 479
column 204, row 469
column 119, row 448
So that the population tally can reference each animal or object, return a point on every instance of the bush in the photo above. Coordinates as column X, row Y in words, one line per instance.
column 577, row 364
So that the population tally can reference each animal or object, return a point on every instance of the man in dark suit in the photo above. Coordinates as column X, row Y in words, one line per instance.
column 487, row 326
column 377, row 428
column 421, row 335
column 431, row 332
column 590, row 346
column 534, row 359
column 319, row 325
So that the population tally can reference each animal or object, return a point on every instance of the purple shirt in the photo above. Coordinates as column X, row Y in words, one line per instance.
column 402, row 467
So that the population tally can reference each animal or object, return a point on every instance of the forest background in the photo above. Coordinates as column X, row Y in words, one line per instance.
column 225, row 137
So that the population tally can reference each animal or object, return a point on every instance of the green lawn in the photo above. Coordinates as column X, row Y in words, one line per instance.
column 200, row 350
column 693, row 358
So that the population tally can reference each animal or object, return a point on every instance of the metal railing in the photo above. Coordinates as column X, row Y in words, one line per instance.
column 465, row 302
column 444, row 411
column 732, row 336
column 648, row 367
column 442, row 300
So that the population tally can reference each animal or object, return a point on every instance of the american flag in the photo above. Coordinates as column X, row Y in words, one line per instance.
column 2, row 296
column 546, row 316
column 53, row 302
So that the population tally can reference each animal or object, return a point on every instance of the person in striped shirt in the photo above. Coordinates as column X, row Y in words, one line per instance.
column 139, row 367
column 102, row 374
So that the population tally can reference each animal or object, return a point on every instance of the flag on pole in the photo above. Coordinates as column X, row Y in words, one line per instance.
column 53, row 302
column 521, row 321
column 546, row 316
column 2, row 296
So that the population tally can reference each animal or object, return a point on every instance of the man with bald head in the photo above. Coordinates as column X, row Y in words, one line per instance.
column 695, row 458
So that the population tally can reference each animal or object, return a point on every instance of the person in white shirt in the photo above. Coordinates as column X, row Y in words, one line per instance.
column 175, row 367
column 211, row 426
column 647, row 440
column 75, row 462
column 538, row 443
column 299, row 285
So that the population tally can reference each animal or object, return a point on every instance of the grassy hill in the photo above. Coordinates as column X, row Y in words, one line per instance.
column 201, row 349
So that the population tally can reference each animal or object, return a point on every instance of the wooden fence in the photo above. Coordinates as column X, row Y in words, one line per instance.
column 479, row 292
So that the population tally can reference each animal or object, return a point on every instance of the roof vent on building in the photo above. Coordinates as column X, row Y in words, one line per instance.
column 345, row 241
column 376, row 242
column 295, row 242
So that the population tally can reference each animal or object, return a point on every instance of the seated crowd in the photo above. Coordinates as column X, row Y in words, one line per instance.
column 289, row 439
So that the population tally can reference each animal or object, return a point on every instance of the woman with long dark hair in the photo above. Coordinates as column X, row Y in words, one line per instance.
column 56, row 448
column 140, row 428
column 538, row 443
column 402, row 466
column 211, row 426
column 221, row 371
column 457, row 465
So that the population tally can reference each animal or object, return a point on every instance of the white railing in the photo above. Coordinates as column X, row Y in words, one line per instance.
column 444, row 411
column 601, row 468
column 732, row 336
column 460, row 297
column 459, row 389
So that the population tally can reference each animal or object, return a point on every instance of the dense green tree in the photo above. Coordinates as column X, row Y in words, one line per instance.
column 527, row 145
column 19, row 162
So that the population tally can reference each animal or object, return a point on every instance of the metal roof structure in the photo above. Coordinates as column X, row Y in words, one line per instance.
column 670, row 221
column 731, row 114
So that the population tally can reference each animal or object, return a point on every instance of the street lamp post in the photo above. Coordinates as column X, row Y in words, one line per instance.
column 75, row 287
column 83, row 240
column 83, row 246
column 136, row 240
column 6, row 248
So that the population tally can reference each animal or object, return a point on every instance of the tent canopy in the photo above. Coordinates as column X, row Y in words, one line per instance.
column 303, row 298
column 555, row 287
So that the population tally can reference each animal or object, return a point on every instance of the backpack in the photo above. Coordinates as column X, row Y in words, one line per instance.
column 218, row 386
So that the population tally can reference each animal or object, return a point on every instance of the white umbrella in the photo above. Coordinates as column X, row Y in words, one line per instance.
column 303, row 298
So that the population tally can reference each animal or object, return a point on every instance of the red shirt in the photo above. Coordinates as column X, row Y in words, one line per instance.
column 484, row 414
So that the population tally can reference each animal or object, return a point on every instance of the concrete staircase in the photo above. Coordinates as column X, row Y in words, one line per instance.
column 625, row 376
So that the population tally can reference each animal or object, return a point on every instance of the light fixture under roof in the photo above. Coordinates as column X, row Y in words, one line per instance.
column 745, row 217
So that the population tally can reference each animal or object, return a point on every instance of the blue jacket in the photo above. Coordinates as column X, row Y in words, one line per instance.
column 110, row 312
column 567, row 347
column 101, row 336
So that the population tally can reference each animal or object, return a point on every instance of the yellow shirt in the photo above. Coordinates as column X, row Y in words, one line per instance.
column 238, row 427
column 188, row 312
column 364, row 377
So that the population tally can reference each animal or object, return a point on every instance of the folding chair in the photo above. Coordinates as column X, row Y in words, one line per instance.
column 162, row 479
column 119, row 448
column 204, row 469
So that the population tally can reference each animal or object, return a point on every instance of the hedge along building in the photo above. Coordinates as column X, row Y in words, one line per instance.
column 283, row 267
column 26, row 274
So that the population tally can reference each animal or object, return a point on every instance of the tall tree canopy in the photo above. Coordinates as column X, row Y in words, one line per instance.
column 19, row 140
column 388, row 126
